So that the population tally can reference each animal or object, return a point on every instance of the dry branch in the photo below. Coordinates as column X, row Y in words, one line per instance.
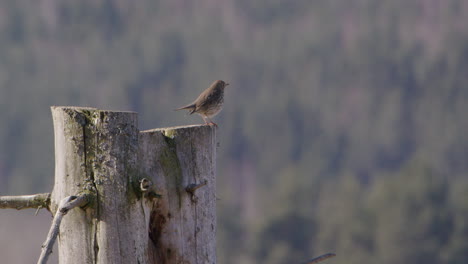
column 66, row 205
column 320, row 258
column 41, row 200
column 193, row 187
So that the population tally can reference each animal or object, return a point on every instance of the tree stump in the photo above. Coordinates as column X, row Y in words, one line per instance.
column 181, row 163
column 104, row 154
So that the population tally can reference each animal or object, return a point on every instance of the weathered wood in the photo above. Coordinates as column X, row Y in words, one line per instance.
column 96, row 152
column 320, row 258
column 40, row 200
column 102, row 154
column 183, row 221
column 65, row 205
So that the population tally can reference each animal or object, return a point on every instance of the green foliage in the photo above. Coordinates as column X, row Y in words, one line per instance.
column 413, row 221
column 344, row 126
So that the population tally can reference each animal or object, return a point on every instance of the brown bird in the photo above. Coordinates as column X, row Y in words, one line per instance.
column 209, row 103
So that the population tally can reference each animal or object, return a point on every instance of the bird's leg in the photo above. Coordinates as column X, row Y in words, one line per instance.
column 204, row 119
column 212, row 123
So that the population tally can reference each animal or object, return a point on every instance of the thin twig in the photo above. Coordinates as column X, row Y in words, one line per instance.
column 320, row 258
column 38, row 209
column 193, row 187
column 66, row 204
column 25, row 201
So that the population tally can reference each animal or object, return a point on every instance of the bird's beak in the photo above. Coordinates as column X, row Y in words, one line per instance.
column 227, row 84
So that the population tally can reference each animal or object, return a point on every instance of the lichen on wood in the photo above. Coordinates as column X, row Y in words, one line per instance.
column 96, row 151
column 181, row 231
column 41, row 200
column 171, row 167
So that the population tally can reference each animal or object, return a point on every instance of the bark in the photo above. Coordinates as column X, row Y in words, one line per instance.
column 96, row 153
column 181, row 163
column 40, row 200
column 66, row 205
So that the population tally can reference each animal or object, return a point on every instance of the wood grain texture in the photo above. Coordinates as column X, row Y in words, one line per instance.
column 19, row 202
column 96, row 152
column 103, row 154
column 182, row 225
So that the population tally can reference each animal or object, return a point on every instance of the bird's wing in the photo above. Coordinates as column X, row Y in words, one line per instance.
column 204, row 99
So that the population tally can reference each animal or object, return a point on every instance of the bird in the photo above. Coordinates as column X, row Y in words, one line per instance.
column 209, row 103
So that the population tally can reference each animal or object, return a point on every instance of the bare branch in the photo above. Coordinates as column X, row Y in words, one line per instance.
column 40, row 200
column 191, row 188
column 320, row 258
column 66, row 204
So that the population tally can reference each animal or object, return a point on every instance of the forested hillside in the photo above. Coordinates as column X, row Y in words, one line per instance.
column 345, row 127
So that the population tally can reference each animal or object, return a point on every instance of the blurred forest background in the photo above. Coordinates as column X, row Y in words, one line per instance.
column 345, row 127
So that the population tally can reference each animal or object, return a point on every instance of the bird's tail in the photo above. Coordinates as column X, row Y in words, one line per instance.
column 190, row 107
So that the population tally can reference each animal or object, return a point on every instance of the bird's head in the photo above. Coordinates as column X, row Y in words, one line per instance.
column 222, row 84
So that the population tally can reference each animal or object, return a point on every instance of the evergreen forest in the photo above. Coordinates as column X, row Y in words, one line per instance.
column 344, row 129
